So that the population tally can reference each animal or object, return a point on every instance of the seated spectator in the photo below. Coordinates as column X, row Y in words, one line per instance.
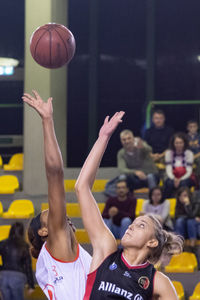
column 119, row 211
column 193, row 136
column 194, row 143
column 185, row 211
column 197, row 219
column 179, row 161
column 135, row 163
column 16, row 269
column 158, row 206
column 158, row 135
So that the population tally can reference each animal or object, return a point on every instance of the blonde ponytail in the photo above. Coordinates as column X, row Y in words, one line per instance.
column 168, row 242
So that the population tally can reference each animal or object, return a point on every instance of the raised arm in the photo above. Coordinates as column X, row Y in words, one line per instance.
column 59, row 232
column 163, row 288
column 101, row 238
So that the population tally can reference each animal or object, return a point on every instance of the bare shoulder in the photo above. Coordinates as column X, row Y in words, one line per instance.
column 102, row 250
column 63, row 245
column 163, row 288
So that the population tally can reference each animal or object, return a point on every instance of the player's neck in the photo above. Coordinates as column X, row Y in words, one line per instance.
column 135, row 257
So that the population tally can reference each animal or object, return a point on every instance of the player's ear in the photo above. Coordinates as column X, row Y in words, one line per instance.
column 153, row 243
column 43, row 231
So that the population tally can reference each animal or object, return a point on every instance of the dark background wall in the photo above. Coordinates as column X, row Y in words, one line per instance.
column 122, row 66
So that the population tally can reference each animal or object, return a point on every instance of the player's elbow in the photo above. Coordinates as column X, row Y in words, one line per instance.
column 80, row 187
column 53, row 171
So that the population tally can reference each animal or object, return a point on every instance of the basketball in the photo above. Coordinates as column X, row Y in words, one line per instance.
column 52, row 45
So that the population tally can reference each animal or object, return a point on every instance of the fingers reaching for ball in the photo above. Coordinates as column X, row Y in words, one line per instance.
column 44, row 109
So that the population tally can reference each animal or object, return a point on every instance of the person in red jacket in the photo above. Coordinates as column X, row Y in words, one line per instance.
column 119, row 211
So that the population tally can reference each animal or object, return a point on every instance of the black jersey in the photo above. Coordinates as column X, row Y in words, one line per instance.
column 116, row 279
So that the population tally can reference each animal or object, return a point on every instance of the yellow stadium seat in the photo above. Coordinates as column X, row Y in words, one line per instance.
column 98, row 186
column 141, row 191
column 44, row 206
column 179, row 289
column 1, row 263
column 1, row 209
column 22, row 208
column 192, row 189
column 139, row 206
column 8, row 184
column 69, row 185
column 73, row 209
column 160, row 166
column 185, row 262
column 101, row 206
column 4, row 231
column 196, row 293
column 16, row 163
column 82, row 236
column 1, row 162
column 36, row 295
column 172, row 207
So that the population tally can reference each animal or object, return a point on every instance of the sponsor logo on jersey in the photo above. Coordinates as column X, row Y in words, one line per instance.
column 127, row 274
column 138, row 297
column 112, row 288
column 113, row 266
column 58, row 279
column 143, row 282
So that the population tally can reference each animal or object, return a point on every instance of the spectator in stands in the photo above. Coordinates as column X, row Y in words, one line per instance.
column 135, row 163
column 159, row 207
column 185, row 212
column 194, row 143
column 179, row 161
column 158, row 135
column 17, row 268
column 197, row 219
column 119, row 211
column 193, row 136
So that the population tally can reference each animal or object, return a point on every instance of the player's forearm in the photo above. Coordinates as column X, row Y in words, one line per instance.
column 91, row 165
column 53, row 158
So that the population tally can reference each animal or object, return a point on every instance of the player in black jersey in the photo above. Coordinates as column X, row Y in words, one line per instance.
column 127, row 273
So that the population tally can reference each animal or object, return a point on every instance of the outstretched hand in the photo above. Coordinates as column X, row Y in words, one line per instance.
column 109, row 126
column 45, row 109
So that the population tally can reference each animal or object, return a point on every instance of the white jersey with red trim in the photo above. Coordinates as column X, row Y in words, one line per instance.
column 62, row 280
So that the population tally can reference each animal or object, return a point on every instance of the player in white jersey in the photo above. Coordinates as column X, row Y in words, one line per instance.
column 62, row 265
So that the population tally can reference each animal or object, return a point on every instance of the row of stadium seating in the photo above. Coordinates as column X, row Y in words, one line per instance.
column 181, row 294
column 9, row 184
column 23, row 208
column 15, row 163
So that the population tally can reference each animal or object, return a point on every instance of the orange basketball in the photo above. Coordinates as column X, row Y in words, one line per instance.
column 52, row 45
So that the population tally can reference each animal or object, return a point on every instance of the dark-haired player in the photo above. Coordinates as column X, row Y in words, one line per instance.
column 62, row 264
